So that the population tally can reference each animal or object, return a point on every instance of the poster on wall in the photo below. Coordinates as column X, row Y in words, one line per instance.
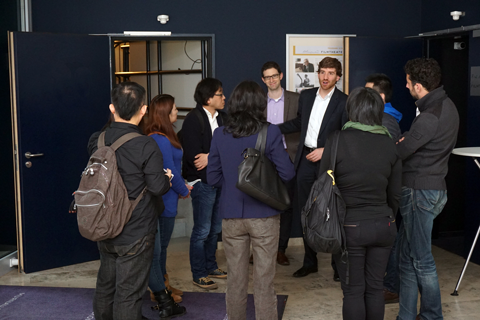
column 304, row 52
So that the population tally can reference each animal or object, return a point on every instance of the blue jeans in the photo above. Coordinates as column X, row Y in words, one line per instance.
column 156, row 281
column 391, row 280
column 416, row 264
column 166, row 230
column 206, row 227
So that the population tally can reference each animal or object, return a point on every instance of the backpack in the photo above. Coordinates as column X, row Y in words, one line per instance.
column 101, row 201
column 324, row 213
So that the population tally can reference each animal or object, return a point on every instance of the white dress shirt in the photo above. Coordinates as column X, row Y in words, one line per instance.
column 212, row 119
column 316, row 117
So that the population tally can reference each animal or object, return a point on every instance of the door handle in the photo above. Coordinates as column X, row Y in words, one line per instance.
column 29, row 155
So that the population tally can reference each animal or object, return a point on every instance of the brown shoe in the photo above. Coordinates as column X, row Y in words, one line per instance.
column 176, row 298
column 390, row 297
column 251, row 259
column 282, row 259
column 175, row 291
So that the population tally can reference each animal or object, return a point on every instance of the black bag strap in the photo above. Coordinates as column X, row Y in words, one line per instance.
column 344, row 257
column 333, row 158
column 200, row 119
column 117, row 144
column 262, row 139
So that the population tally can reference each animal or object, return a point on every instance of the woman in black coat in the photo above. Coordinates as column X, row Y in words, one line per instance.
column 368, row 174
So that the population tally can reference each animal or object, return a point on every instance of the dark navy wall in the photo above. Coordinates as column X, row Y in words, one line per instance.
column 248, row 33
column 472, row 210
column 436, row 14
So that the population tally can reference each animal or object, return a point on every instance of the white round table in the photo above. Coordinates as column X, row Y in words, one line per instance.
column 473, row 152
column 468, row 152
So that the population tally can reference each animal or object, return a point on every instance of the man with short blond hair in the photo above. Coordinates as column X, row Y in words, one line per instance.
column 321, row 111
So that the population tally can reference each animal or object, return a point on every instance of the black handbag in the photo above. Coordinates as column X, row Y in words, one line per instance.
column 258, row 177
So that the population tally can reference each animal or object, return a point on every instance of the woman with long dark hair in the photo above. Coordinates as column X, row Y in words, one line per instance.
column 368, row 173
column 162, row 115
column 247, row 220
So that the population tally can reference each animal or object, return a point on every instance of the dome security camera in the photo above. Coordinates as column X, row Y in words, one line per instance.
column 163, row 18
column 457, row 14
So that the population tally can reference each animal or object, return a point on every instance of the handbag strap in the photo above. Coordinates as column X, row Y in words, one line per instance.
column 333, row 158
column 262, row 138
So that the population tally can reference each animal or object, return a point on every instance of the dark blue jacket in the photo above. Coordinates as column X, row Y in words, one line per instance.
column 172, row 159
column 222, row 171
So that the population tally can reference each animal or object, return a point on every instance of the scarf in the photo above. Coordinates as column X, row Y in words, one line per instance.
column 365, row 127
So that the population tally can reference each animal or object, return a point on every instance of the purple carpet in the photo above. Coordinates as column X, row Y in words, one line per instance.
column 46, row 303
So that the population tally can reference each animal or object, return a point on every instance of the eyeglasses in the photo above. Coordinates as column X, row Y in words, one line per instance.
column 273, row 77
column 218, row 94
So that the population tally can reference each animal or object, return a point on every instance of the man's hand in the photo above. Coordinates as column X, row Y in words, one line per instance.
column 403, row 138
column 201, row 161
column 315, row 155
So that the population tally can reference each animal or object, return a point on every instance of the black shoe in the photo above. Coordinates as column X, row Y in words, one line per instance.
column 336, row 276
column 168, row 309
column 303, row 272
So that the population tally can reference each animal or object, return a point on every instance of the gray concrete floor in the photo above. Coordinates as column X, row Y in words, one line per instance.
column 316, row 296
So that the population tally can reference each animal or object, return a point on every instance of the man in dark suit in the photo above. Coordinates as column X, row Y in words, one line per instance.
column 282, row 106
column 307, row 66
column 321, row 111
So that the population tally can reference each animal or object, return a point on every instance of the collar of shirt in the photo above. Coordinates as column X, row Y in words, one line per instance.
column 125, row 126
column 328, row 96
column 319, row 108
column 209, row 115
column 212, row 119
column 278, row 99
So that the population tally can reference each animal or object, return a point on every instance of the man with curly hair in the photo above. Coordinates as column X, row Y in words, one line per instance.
column 425, row 150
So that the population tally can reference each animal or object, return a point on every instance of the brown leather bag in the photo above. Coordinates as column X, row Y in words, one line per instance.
column 101, row 201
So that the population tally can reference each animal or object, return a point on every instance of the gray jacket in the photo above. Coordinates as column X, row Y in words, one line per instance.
column 429, row 142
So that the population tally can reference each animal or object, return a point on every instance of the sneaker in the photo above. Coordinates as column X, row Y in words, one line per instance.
column 219, row 273
column 205, row 283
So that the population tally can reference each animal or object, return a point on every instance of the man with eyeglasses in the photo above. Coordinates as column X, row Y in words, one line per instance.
column 282, row 106
column 321, row 111
column 197, row 132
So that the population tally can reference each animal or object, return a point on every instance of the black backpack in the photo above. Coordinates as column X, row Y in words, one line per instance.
column 324, row 213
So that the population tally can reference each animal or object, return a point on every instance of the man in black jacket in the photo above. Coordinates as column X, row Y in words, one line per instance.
column 425, row 150
column 320, row 112
column 197, row 131
column 125, row 260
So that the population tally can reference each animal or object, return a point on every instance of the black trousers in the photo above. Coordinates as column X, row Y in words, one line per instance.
column 286, row 218
column 307, row 173
column 122, row 279
column 368, row 244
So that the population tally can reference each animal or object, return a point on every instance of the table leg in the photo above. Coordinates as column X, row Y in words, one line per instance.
column 455, row 292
